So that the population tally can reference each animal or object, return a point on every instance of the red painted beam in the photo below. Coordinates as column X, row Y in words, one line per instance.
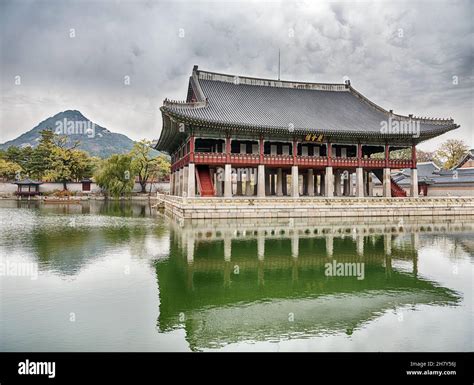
column 359, row 154
column 227, row 148
column 191, row 148
column 329, row 153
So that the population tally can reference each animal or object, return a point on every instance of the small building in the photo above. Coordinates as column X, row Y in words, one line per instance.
column 252, row 137
column 433, row 181
column 27, row 187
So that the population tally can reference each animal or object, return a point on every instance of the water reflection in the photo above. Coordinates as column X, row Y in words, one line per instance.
column 225, row 283
column 206, row 284
column 64, row 238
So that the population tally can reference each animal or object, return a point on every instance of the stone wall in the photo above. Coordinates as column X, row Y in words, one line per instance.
column 217, row 208
column 8, row 189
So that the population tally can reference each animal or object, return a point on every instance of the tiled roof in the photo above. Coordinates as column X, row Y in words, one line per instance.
column 27, row 182
column 436, row 177
column 226, row 101
column 467, row 157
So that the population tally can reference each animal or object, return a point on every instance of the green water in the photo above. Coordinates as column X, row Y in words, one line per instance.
column 121, row 277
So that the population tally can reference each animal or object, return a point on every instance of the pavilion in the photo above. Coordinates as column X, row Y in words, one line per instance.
column 243, row 136
column 27, row 187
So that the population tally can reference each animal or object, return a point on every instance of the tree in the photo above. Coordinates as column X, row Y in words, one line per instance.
column 451, row 152
column 143, row 164
column 114, row 175
column 9, row 170
column 68, row 165
column 20, row 156
column 162, row 167
column 40, row 160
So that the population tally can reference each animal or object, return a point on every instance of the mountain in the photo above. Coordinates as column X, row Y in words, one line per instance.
column 96, row 140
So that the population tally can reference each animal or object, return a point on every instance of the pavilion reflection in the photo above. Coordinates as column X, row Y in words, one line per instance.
column 226, row 283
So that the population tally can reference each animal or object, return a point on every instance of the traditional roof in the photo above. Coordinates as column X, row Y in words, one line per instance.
column 469, row 156
column 27, row 182
column 226, row 102
column 431, row 174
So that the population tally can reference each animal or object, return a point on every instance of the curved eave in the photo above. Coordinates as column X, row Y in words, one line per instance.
column 164, row 142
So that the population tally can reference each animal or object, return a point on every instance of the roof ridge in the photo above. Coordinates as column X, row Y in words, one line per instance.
column 265, row 82
column 184, row 104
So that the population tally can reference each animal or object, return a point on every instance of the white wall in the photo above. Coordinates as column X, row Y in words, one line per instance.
column 9, row 188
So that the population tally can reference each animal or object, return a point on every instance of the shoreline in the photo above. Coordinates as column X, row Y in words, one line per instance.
column 73, row 200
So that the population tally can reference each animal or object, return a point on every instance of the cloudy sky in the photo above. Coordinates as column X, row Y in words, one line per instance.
column 412, row 57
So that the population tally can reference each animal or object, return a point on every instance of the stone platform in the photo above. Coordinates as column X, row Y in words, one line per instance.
column 313, row 207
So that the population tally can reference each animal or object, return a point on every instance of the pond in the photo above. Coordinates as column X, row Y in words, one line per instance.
column 119, row 276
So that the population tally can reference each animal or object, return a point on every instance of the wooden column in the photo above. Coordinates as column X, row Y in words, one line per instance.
column 387, row 155
column 260, row 142
column 191, row 148
column 329, row 153
column 359, row 155
column 227, row 149
column 295, row 150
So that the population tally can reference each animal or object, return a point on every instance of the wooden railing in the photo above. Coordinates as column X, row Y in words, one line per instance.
column 211, row 158
column 278, row 160
column 218, row 158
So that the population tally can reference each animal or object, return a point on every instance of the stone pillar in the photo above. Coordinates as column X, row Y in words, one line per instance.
column 371, row 184
column 268, row 191
column 294, row 182
column 387, row 243
column 304, row 183
column 227, row 247
column 261, row 181
column 219, row 177
column 295, row 248
column 239, row 185
column 414, row 182
column 328, row 183
column 359, row 182
column 191, row 180
column 227, row 181
column 248, row 183
column 347, row 184
column 171, row 183
column 310, row 182
column 387, row 192
column 329, row 245
column 279, row 189
column 261, row 245
column 360, row 245
column 179, row 189
column 185, row 181
column 272, row 183
column 321, row 184
column 175, row 183
column 190, row 247
column 337, row 183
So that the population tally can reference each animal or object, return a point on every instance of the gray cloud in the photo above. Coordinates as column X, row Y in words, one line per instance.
column 402, row 55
